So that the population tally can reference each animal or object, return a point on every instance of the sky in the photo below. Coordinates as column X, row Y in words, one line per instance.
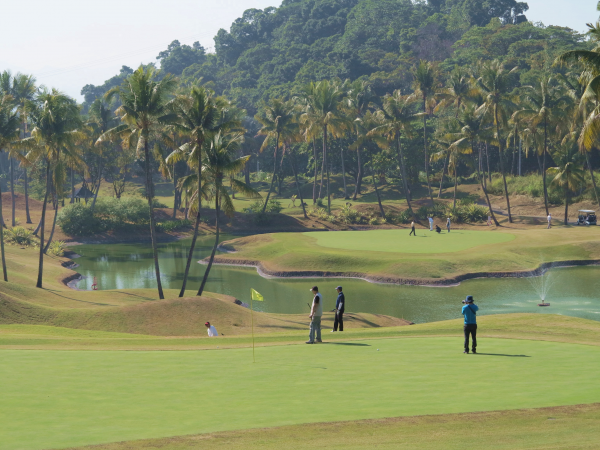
column 70, row 43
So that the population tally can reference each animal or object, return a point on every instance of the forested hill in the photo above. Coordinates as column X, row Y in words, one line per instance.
column 269, row 52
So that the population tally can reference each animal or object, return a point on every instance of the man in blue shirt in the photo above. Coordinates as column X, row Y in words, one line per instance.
column 470, row 312
column 340, row 304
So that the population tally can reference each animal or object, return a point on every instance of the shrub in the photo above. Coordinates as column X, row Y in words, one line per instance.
column 405, row 217
column 21, row 236
column 77, row 219
column 57, row 248
column 349, row 215
column 173, row 225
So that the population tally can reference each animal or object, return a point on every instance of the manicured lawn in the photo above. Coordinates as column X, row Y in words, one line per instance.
column 53, row 399
column 399, row 241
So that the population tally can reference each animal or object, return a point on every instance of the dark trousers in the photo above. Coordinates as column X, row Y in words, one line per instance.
column 471, row 329
column 413, row 231
column 339, row 319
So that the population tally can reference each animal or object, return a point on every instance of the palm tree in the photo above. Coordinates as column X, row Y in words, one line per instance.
column 144, row 108
column 395, row 119
column 568, row 173
column 276, row 119
column 424, row 84
column 322, row 110
column 459, row 88
column 219, row 164
column 360, row 98
column 9, row 131
column 496, row 84
column 56, row 130
column 547, row 102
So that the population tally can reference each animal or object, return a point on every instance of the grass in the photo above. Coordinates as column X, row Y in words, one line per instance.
column 54, row 399
column 439, row 257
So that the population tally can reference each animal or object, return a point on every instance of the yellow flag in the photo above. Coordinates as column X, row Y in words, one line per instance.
column 256, row 296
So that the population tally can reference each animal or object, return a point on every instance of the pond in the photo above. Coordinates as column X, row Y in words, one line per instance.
column 571, row 291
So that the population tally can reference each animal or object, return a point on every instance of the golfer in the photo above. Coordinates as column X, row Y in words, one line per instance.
column 212, row 331
column 448, row 224
column 316, row 311
column 430, row 223
column 470, row 312
column 489, row 223
column 339, row 310
column 412, row 228
column 549, row 221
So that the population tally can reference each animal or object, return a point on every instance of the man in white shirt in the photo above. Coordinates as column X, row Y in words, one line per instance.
column 549, row 220
column 316, row 311
column 430, row 223
column 212, row 331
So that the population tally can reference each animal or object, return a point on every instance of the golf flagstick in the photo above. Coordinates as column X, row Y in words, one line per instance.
column 254, row 295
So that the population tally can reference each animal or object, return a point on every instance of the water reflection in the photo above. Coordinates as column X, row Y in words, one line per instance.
column 571, row 291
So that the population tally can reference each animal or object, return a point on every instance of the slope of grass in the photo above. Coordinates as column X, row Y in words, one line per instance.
column 289, row 252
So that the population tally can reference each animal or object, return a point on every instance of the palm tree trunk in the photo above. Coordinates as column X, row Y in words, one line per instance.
column 587, row 157
column 455, row 185
column 274, row 174
column 327, row 167
column 316, row 173
column 487, row 157
column 212, row 254
column 377, row 192
column 28, row 217
column 403, row 173
column 344, row 176
column 358, row 173
column 55, row 200
column 175, row 196
column 72, row 186
column 443, row 172
column 150, row 195
column 2, row 240
column 42, row 226
column 566, row 205
column 544, row 166
column 487, row 197
column 500, row 154
column 196, row 225
column 322, row 172
column 425, row 150
column 97, row 189
column 298, row 184
column 12, row 189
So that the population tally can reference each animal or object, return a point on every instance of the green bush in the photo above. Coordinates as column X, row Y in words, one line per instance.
column 21, row 236
column 404, row 217
column 349, row 215
column 57, row 248
column 118, row 213
column 77, row 219
column 173, row 225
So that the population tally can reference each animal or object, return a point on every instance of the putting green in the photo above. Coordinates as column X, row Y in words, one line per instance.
column 399, row 241
column 54, row 399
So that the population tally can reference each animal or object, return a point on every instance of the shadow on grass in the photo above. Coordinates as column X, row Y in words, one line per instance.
column 348, row 343
column 502, row 354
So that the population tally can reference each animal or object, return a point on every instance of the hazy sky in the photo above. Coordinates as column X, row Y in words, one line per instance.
column 70, row 43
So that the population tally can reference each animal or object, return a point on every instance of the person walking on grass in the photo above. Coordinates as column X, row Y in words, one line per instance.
column 430, row 223
column 339, row 310
column 316, row 311
column 549, row 221
column 448, row 224
column 412, row 228
column 469, row 311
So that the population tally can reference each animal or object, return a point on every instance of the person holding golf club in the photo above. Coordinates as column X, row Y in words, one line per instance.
column 316, row 311
column 469, row 311
column 339, row 310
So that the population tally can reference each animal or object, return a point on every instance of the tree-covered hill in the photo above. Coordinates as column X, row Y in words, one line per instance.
column 270, row 52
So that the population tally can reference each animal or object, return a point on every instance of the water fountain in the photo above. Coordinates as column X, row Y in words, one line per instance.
column 542, row 284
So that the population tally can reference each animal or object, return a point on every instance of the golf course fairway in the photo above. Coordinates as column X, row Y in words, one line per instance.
column 58, row 399
column 399, row 241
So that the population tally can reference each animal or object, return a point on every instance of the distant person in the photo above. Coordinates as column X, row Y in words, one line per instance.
column 489, row 222
column 448, row 224
column 412, row 228
column 549, row 221
column 470, row 312
column 340, row 304
column 438, row 230
column 316, row 311
column 212, row 331
column 430, row 223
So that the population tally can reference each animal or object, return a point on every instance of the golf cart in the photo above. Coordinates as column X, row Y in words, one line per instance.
column 586, row 217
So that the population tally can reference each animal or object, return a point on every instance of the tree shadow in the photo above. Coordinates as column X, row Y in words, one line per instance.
column 348, row 343
column 502, row 354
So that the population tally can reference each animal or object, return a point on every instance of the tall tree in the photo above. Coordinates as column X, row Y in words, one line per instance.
column 144, row 108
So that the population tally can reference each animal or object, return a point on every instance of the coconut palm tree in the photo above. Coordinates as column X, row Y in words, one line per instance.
column 9, row 132
column 496, row 84
column 568, row 173
column 547, row 103
column 322, row 103
column 424, row 85
column 144, row 108
column 219, row 163
column 56, row 130
column 396, row 118
column 459, row 88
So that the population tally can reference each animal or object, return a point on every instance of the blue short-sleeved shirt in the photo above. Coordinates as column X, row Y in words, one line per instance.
column 469, row 313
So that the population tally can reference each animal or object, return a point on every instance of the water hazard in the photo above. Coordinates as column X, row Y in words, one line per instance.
column 570, row 291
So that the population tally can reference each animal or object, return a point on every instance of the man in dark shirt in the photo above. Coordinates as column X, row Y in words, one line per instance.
column 340, row 304
column 470, row 312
